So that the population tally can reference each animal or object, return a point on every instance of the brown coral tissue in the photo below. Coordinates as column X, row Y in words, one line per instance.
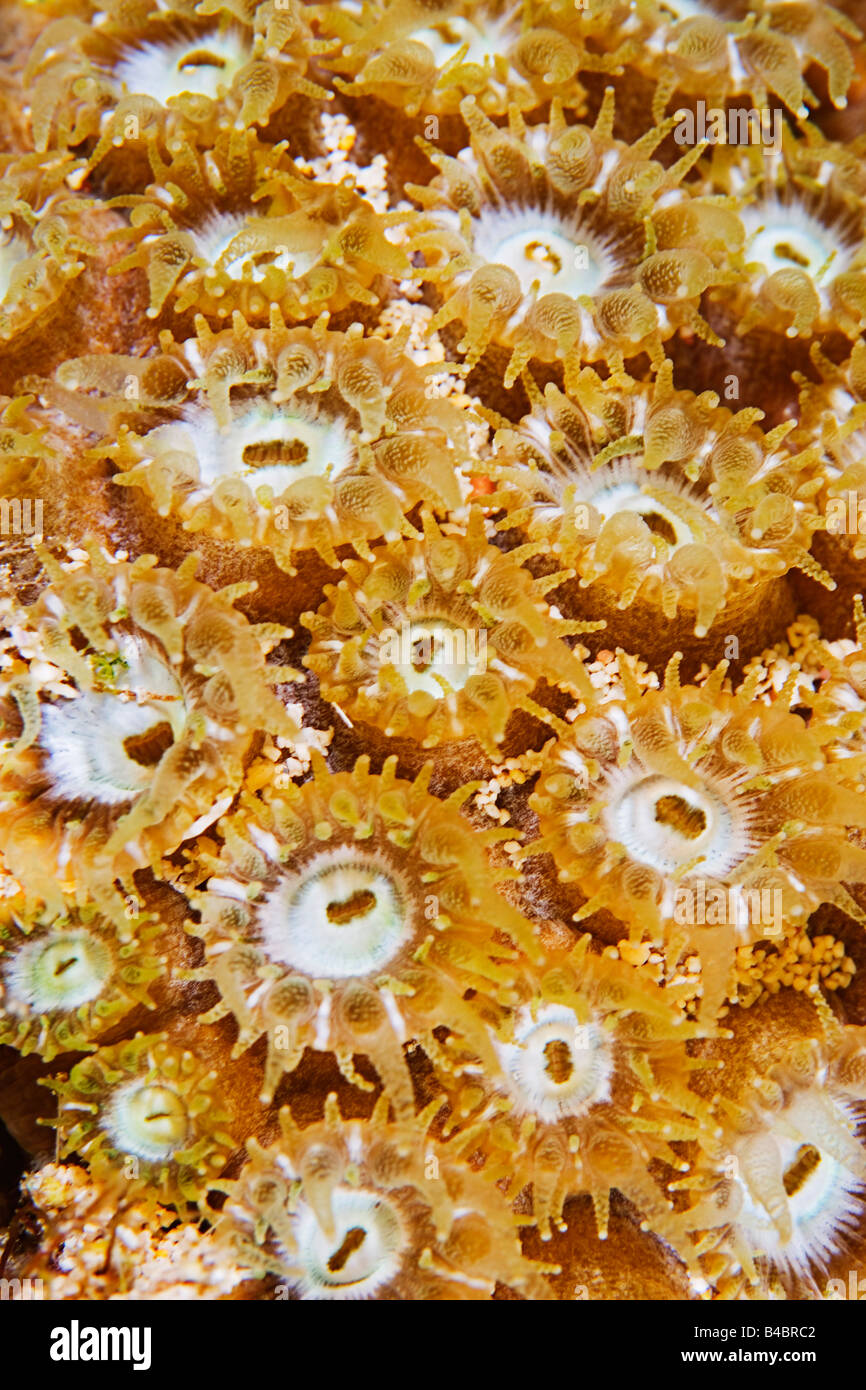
column 432, row 650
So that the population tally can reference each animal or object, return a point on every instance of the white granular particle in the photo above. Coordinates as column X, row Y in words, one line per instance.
column 371, row 180
column 300, row 748
column 95, row 1249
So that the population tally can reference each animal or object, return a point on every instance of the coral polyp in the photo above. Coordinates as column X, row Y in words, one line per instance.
column 588, row 1090
column 838, row 692
column 786, row 1200
column 150, row 1111
column 544, row 242
column 834, row 411
column 41, row 253
column 108, row 85
column 803, row 254
column 65, row 980
column 335, row 446
column 700, row 51
column 440, row 640
column 351, row 915
column 128, row 719
column 428, row 58
column 701, row 817
column 238, row 227
column 663, row 502
column 370, row 1209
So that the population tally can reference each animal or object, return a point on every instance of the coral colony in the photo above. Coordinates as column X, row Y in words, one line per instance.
column 432, row 652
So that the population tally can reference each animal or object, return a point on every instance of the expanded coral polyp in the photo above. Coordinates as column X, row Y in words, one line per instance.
column 351, row 914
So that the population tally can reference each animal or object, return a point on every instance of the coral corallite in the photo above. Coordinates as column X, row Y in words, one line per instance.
column 432, row 676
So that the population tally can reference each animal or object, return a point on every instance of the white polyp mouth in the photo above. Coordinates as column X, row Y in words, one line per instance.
column 227, row 243
column 64, row 971
column 543, row 249
column 681, row 10
column 213, row 239
column 361, row 1255
column 556, row 1065
column 789, row 238
column 147, row 1120
column 265, row 446
column 825, row 1204
column 85, row 745
column 437, row 648
column 12, row 252
column 665, row 824
column 628, row 497
column 202, row 67
column 86, row 740
column 346, row 918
